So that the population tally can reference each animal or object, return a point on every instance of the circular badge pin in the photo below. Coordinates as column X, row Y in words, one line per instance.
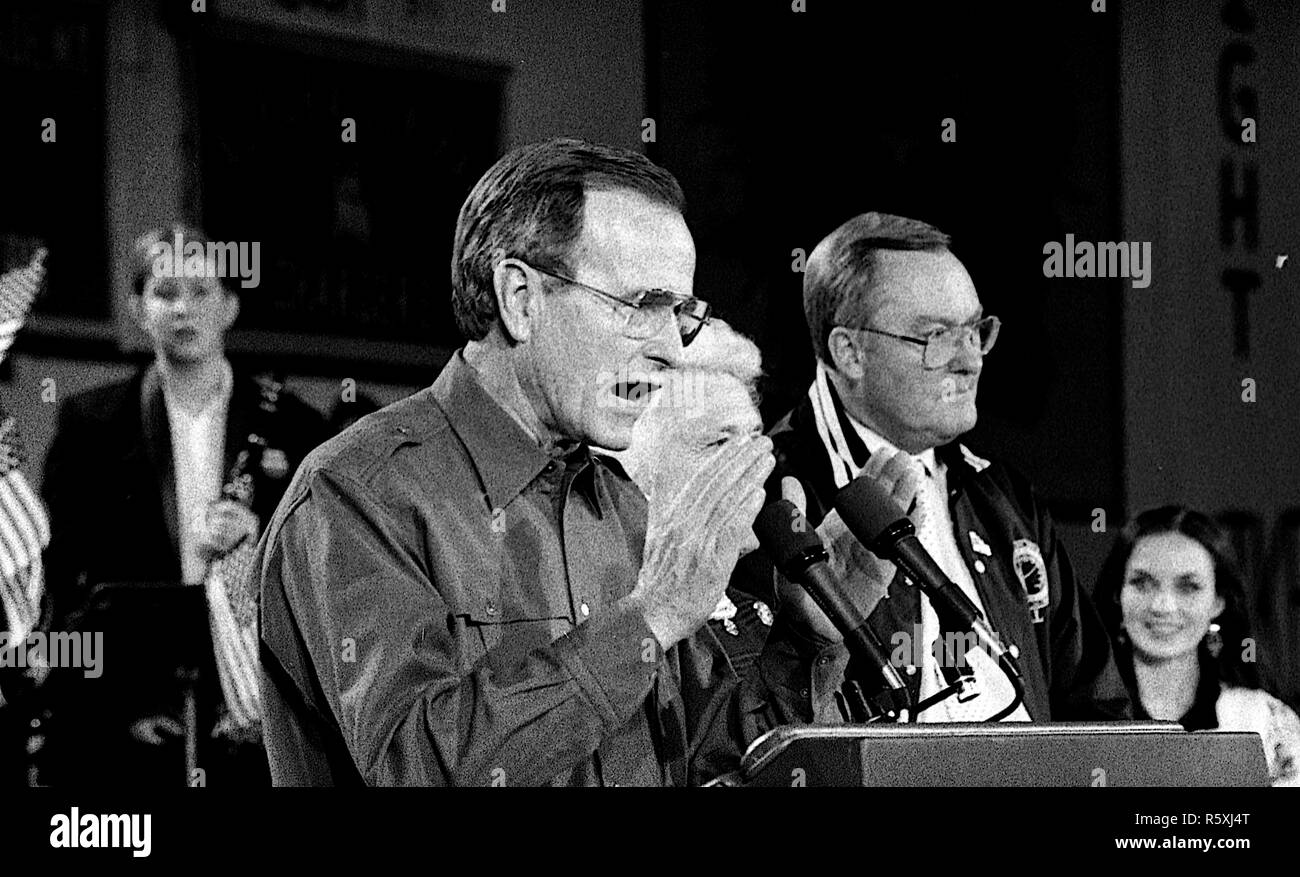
column 274, row 463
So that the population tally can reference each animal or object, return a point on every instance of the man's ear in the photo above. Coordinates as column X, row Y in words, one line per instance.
column 518, row 299
column 845, row 353
column 229, row 309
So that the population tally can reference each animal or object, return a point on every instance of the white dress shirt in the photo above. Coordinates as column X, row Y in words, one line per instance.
column 198, row 456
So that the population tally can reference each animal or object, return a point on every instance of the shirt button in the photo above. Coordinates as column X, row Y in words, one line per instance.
column 491, row 608
column 979, row 566
column 910, row 669
column 585, row 610
column 803, row 692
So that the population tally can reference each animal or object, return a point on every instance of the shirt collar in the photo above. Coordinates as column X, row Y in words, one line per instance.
column 875, row 441
column 583, row 467
column 219, row 401
column 506, row 457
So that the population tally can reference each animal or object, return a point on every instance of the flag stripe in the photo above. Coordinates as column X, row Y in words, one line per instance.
column 15, row 517
column 35, row 511
column 13, row 553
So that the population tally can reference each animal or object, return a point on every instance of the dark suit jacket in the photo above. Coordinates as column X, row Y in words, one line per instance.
column 110, row 488
column 1065, row 652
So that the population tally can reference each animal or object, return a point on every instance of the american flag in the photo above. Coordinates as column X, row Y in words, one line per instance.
column 24, row 533
column 17, row 289
column 24, row 527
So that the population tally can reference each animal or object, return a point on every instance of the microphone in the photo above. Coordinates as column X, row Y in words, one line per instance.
column 872, row 515
column 798, row 552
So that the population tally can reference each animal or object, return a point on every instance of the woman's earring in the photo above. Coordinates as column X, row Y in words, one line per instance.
column 1214, row 640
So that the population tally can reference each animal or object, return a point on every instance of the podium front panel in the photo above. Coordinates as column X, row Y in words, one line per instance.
column 1006, row 754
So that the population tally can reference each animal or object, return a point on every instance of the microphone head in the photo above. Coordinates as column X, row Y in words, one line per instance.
column 787, row 536
column 868, row 510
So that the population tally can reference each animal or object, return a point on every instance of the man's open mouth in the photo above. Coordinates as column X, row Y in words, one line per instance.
column 635, row 391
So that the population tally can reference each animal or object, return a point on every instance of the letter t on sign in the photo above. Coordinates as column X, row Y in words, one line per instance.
column 1242, row 284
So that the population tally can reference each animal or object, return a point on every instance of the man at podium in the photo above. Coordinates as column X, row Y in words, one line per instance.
column 900, row 337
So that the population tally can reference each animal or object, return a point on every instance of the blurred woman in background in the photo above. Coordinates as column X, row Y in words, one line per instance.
column 1171, row 596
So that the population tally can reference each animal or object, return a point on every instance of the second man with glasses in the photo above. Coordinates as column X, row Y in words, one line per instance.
column 900, row 337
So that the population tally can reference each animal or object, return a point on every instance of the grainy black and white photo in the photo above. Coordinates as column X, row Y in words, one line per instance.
column 654, row 393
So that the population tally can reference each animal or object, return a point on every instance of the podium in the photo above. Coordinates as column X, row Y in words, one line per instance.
column 1002, row 754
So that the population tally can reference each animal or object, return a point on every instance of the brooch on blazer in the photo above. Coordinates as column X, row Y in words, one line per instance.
column 275, row 464
column 269, row 390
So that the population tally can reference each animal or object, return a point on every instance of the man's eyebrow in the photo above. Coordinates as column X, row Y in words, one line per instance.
column 928, row 319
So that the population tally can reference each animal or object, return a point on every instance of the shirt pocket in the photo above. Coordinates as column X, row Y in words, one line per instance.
column 503, row 629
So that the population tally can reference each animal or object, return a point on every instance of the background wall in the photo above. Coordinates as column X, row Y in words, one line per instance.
column 782, row 135
column 1212, row 204
column 575, row 68
column 1190, row 435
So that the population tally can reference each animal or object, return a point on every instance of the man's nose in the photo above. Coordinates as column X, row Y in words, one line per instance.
column 665, row 346
column 968, row 357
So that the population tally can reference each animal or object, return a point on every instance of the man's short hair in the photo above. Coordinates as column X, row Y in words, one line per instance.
column 841, row 273
column 529, row 206
column 147, row 247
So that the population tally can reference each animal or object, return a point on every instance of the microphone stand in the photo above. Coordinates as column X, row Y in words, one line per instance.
column 895, row 702
column 1008, row 670
column 1006, row 659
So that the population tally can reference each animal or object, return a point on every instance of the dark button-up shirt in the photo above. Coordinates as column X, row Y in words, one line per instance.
column 445, row 602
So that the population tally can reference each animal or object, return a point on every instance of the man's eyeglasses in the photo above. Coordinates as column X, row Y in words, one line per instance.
column 942, row 345
column 647, row 308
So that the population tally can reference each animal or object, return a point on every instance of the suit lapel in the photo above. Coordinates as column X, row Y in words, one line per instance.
column 244, row 399
column 1006, row 607
column 156, row 438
